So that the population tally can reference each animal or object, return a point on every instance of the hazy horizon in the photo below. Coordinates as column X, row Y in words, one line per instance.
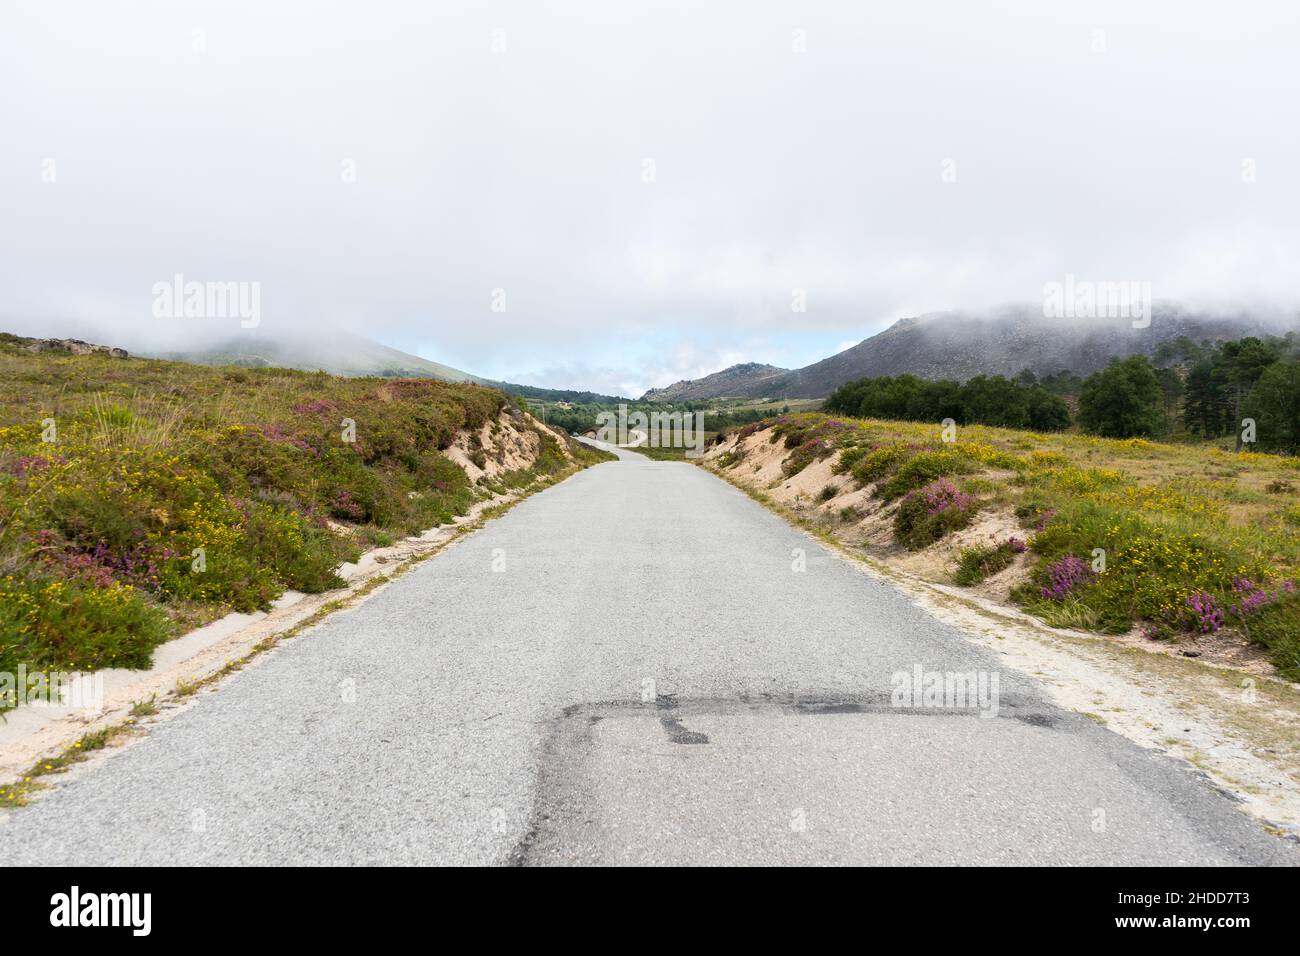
column 648, row 185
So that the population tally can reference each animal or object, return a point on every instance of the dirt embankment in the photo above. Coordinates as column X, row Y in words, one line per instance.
column 854, row 516
column 510, row 442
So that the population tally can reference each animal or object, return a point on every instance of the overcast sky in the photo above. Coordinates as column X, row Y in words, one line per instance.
column 143, row 139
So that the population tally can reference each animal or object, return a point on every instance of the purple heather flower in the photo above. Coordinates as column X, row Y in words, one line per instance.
column 1065, row 575
column 942, row 495
column 1208, row 613
column 1250, row 596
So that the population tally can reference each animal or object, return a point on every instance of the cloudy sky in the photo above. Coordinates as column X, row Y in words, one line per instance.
column 646, row 182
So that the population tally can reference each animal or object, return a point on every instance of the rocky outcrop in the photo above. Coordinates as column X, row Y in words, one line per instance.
column 74, row 347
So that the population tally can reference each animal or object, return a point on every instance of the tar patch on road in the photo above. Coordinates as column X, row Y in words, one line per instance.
column 590, row 749
column 672, row 725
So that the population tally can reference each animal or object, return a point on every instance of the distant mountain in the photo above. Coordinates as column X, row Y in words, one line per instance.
column 342, row 353
column 338, row 353
column 736, row 381
column 961, row 345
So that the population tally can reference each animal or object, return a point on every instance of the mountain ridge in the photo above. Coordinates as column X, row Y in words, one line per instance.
column 351, row 355
column 962, row 344
column 716, row 385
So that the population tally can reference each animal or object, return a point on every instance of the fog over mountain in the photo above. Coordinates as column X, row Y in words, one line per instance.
column 616, row 198
column 961, row 345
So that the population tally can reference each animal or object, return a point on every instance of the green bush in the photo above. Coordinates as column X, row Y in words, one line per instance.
column 878, row 463
column 927, row 514
column 979, row 563
column 65, row 625
column 1277, row 626
column 848, row 458
column 302, row 556
column 732, row 458
column 921, row 469
column 804, row 455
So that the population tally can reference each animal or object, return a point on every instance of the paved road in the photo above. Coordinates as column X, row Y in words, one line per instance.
column 639, row 665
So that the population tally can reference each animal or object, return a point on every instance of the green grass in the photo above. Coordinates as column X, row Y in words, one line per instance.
column 664, row 453
column 16, row 794
column 660, row 454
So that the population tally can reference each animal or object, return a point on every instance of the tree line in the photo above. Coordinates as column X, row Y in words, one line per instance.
column 982, row 400
column 1197, row 390
column 1248, row 388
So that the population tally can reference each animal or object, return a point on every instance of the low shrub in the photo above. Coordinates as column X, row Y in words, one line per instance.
column 922, row 469
column 848, row 458
column 1151, row 573
column 804, row 455
column 979, row 563
column 927, row 514
column 1276, row 626
column 879, row 462
column 989, row 456
column 69, row 625
column 175, row 492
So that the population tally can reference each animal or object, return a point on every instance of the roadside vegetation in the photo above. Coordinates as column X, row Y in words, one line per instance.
column 1107, row 534
column 141, row 498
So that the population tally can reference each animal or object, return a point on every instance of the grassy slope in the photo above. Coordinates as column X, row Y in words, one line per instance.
column 338, row 353
column 1182, row 527
column 173, row 493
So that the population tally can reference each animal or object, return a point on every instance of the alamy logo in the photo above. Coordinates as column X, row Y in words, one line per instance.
column 945, row 690
column 656, row 430
column 51, row 689
column 179, row 299
column 102, row 909
column 1081, row 299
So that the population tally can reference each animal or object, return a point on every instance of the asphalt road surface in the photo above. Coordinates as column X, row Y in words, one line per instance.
column 639, row 665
